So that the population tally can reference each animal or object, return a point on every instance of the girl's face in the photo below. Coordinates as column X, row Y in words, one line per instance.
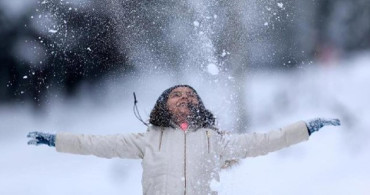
column 178, row 103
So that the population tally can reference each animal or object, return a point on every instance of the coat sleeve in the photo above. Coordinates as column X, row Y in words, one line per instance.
column 122, row 146
column 237, row 146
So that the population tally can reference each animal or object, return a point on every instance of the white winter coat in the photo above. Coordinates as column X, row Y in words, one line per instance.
column 176, row 162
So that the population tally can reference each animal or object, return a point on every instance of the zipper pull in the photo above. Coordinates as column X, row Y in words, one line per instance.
column 208, row 144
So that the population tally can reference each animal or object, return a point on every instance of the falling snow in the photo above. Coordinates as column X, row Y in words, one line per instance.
column 213, row 69
column 52, row 31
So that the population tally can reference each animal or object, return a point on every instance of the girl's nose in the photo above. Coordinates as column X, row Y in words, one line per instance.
column 185, row 95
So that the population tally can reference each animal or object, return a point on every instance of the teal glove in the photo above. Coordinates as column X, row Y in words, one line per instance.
column 314, row 125
column 38, row 138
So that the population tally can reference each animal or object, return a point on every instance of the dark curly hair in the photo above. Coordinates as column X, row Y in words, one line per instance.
column 160, row 115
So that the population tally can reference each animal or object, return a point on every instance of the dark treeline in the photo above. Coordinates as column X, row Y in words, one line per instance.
column 84, row 44
column 82, row 49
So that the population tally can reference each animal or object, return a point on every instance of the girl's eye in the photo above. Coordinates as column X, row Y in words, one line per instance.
column 176, row 94
column 191, row 94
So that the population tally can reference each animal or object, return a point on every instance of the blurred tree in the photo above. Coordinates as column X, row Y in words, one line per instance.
column 341, row 27
column 11, row 69
column 72, row 45
column 231, row 41
column 82, row 46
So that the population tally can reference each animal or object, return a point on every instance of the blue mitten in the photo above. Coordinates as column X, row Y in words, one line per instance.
column 316, row 124
column 38, row 138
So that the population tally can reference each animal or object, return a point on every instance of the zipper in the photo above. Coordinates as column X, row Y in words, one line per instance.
column 185, row 161
column 208, row 136
column 160, row 140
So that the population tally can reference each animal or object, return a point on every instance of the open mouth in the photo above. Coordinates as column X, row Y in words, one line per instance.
column 182, row 104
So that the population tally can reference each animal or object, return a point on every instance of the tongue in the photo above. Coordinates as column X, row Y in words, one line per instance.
column 184, row 126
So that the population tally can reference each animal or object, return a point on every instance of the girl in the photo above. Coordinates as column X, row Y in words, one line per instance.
column 182, row 151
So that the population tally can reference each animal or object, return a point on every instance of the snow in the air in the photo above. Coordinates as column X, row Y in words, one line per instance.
column 212, row 69
column 53, row 31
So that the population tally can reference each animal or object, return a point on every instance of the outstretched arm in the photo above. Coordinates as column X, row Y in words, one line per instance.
column 255, row 144
column 122, row 146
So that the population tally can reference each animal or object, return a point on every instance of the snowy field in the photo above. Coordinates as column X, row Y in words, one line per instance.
column 333, row 161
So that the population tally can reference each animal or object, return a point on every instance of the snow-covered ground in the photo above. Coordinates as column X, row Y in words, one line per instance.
column 334, row 161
